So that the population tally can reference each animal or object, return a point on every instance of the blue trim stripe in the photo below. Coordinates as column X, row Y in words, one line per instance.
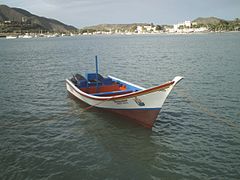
column 144, row 109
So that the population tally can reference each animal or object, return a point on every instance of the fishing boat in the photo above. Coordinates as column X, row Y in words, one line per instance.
column 121, row 97
column 11, row 37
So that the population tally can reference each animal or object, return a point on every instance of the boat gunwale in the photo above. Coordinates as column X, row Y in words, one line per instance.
column 123, row 96
column 126, row 82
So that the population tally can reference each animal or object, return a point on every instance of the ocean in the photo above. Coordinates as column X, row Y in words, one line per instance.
column 45, row 135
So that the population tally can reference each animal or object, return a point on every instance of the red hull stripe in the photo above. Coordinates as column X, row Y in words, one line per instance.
column 124, row 96
column 145, row 118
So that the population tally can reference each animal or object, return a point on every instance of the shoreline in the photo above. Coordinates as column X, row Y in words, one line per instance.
column 54, row 35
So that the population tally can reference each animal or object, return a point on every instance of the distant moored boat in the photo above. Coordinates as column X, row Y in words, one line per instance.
column 11, row 37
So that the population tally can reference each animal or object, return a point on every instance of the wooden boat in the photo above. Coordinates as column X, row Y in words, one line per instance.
column 119, row 96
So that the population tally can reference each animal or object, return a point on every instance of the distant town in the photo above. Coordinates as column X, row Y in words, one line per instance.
column 19, row 23
column 186, row 27
column 199, row 25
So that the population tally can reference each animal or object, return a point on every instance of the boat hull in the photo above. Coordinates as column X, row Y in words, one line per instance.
column 142, row 106
column 145, row 117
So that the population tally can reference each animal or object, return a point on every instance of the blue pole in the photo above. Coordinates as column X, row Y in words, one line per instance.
column 96, row 70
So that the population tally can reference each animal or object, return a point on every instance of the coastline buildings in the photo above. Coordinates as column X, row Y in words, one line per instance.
column 179, row 28
column 185, row 24
column 146, row 29
column 187, row 27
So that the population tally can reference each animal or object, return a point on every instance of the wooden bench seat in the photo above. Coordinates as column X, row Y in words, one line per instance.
column 112, row 93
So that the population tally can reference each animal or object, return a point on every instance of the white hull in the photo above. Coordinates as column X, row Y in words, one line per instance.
column 142, row 106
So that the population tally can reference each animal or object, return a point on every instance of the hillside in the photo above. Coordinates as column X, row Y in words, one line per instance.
column 113, row 27
column 209, row 20
column 215, row 24
column 20, row 20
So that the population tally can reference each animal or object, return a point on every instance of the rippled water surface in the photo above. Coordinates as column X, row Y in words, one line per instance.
column 43, row 133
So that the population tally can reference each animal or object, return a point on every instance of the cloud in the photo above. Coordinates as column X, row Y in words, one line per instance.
column 77, row 3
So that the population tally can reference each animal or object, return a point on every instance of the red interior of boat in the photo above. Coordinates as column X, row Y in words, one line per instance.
column 103, row 88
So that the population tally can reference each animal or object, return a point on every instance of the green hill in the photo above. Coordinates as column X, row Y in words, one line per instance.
column 216, row 24
column 20, row 20
column 113, row 27
column 209, row 20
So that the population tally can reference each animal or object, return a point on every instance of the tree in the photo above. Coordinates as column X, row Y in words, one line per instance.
column 158, row 28
column 133, row 28
column 181, row 27
column 144, row 29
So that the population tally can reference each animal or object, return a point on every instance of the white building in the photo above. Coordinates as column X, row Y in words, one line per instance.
column 188, row 24
column 148, row 28
column 194, row 23
column 139, row 29
column 185, row 24
column 201, row 29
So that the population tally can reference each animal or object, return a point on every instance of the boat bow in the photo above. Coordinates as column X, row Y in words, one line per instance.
column 177, row 79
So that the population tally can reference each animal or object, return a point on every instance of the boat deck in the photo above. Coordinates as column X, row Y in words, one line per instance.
column 97, row 85
column 112, row 93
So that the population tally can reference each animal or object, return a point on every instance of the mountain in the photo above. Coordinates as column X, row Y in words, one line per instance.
column 16, row 19
column 209, row 20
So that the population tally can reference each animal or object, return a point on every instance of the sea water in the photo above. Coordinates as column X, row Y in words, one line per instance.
column 44, row 134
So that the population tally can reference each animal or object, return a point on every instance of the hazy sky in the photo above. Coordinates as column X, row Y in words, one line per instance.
column 82, row 13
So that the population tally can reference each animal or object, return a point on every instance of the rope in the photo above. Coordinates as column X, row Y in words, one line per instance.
column 92, row 106
column 194, row 103
column 205, row 110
